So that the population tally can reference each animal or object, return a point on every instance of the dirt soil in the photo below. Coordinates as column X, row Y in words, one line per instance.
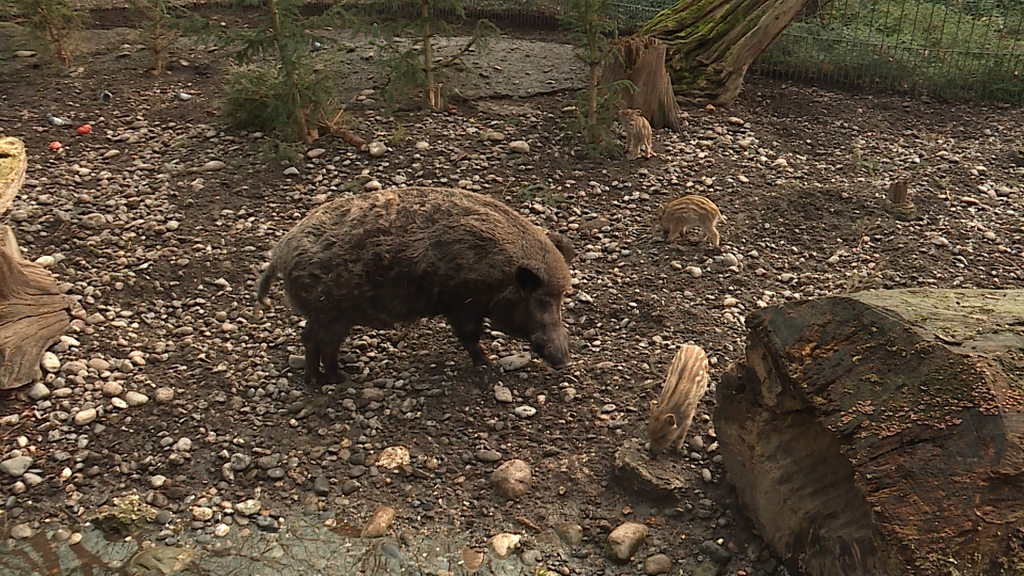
column 159, row 249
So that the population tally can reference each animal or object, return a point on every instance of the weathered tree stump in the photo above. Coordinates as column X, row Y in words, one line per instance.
column 881, row 433
column 898, row 191
column 641, row 60
column 33, row 313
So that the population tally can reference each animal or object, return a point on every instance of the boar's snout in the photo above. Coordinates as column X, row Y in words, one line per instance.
column 555, row 350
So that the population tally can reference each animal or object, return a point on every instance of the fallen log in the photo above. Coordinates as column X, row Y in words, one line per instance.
column 881, row 432
column 33, row 313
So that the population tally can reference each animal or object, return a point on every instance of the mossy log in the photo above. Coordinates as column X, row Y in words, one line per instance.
column 33, row 313
column 711, row 43
column 881, row 432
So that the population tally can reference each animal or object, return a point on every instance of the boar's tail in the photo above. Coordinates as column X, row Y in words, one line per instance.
column 263, row 284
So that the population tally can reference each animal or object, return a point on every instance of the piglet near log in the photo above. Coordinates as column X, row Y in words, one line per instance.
column 397, row 255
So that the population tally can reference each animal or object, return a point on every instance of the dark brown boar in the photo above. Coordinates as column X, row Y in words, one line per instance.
column 397, row 255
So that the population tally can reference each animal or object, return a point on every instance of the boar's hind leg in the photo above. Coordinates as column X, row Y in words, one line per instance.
column 331, row 338
column 469, row 327
column 312, row 339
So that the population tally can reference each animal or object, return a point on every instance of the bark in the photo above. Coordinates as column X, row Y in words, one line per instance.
column 33, row 314
column 882, row 432
column 711, row 43
column 642, row 61
column 13, row 163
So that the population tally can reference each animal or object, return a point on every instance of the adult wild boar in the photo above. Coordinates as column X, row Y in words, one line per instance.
column 397, row 255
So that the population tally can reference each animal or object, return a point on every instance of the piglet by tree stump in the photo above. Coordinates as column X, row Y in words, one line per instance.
column 33, row 313
column 881, row 432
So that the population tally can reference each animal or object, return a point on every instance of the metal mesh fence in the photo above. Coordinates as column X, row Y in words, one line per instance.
column 948, row 49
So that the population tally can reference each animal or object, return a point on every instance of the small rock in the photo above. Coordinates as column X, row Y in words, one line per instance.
column 291, row 171
column 525, row 411
column 657, row 564
column 422, row 145
column 706, row 568
column 372, row 186
column 213, row 165
column 488, row 455
column 75, row 538
column 249, row 507
column 377, row 149
column 16, row 466
column 24, row 53
column 379, row 524
column 22, row 531
column 940, row 241
column 519, row 146
column 321, row 486
column 514, row 362
column 221, row 530
column 164, row 395
column 202, row 513
column 624, row 541
column 49, row 362
column 494, row 136
column 316, row 152
column 504, row 544
column 85, row 417
column 503, row 393
column 715, row 552
column 570, row 532
column 393, row 457
column 163, row 517
column 112, row 388
column 134, row 398
column 693, row 271
column 38, row 391
column 98, row 364
column 512, row 479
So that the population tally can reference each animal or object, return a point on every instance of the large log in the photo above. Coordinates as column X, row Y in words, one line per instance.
column 33, row 313
column 881, row 433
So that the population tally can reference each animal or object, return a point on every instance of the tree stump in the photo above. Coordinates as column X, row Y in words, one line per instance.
column 33, row 313
column 898, row 203
column 641, row 60
column 881, row 433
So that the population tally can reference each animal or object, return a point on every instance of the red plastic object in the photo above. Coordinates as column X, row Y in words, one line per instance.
column 56, row 145
column 84, row 129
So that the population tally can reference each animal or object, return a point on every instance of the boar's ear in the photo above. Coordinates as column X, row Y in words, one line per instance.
column 528, row 280
column 564, row 246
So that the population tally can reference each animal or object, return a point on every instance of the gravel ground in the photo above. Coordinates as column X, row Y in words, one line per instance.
column 171, row 387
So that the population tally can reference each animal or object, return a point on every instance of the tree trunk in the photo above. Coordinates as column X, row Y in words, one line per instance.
column 882, row 432
column 642, row 61
column 33, row 314
column 712, row 42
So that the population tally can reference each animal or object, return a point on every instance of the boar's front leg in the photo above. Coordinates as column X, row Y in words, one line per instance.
column 468, row 326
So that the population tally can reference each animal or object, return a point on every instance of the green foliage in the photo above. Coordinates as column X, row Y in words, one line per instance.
column 413, row 66
column 164, row 22
column 55, row 22
column 274, row 86
column 591, row 29
column 598, row 137
column 540, row 192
